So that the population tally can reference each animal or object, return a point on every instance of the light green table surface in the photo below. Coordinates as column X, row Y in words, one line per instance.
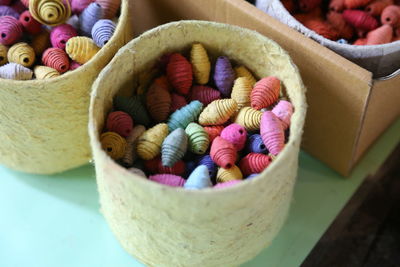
column 54, row 221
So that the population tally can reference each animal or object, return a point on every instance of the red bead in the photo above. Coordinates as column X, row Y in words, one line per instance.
column 204, row 94
column 307, row 5
column 254, row 163
column 180, row 73
column 155, row 166
column 177, row 102
column 213, row 131
column 360, row 19
column 120, row 123
column 31, row 25
column 265, row 92
column 56, row 58
column 223, row 153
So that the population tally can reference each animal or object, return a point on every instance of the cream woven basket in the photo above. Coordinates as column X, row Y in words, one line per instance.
column 43, row 123
column 166, row 226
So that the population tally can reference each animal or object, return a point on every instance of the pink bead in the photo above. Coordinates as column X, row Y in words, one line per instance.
column 204, row 94
column 284, row 110
column 31, row 25
column 11, row 30
column 56, row 58
column 254, row 163
column 168, row 179
column 120, row 123
column 74, row 65
column 236, row 135
column 177, row 102
column 272, row 133
column 223, row 153
column 78, row 6
column 227, row 184
column 25, row 3
column 60, row 35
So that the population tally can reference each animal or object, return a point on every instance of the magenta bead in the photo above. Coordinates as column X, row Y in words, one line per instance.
column 227, row 184
column 60, row 35
column 168, row 179
column 74, row 65
column 236, row 135
column 78, row 6
column 284, row 110
column 11, row 30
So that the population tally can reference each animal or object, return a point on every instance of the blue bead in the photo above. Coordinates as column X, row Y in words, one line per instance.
column 207, row 161
column 199, row 178
column 189, row 167
column 251, row 176
column 342, row 41
column 255, row 144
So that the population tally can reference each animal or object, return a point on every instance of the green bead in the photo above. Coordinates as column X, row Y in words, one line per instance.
column 174, row 147
column 198, row 138
column 134, row 107
column 183, row 116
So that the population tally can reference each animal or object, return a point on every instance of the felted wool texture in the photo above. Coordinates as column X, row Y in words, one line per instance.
column 381, row 60
column 164, row 226
column 43, row 125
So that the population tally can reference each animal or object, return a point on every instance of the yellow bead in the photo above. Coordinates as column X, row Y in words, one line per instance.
column 21, row 53
column 113, row 144
column 201, row 63
column 132, row 140
column 242, row 71
column 218, row 112
column 225, row 175
column 81, row 49
column 241, row 91
column 249, row 118
column 3, row 54
column 50, row 12
column 41, row 42
column 44, row 72
column 149, row 143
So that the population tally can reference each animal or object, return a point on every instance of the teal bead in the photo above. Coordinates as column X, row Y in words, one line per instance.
column 183, row 116
column 174, row 147
column 134, row 107
column 199, row 178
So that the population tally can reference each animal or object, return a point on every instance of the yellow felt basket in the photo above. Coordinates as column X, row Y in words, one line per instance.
column 43, row 123
column 166, row 226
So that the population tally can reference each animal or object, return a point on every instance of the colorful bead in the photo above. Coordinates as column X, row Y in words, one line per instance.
column 25, row 3
column 218, row 112
column 78, row 6
column 323, row 28
column 29, row 23
column 149, row 144
column 113, row 144
column 158, row 100
column 224, row 76
column 223, row 153
column 236, row 135
column 119, row 122
column 307, row 5
column 360, row 19
column 174, row 147
column 201, row 63
column 168, row 179
column 284, row 111
column 265, row 92
column 10, row 30
column 198, row 138
column 131, row 141
column 336, row 5
column 391, row 16
column 74, row 65
column 351, row 4
column 81, row 49
column 375, row 8
column 134, row 107
column 44, row 72
column 272, row 133
column 242, row 71
column 103, row 31
column 137, row 172
column 50, row 12
column 340, row 24
column 182, row 117
column 213, row 131
column 60, row 35
column 207, row 161
column 199, row 178
column 89, row 17
column 241, row 91
column 255, row 144
column 180, row 74
column 15, row 71
column 8, row 11
column 21, row 53
column 18, row 6
column 3, row 54
column 41, row 42
column 56, row 58
column 381, row 35
column 177, row 102
column 204, row 94
column 155, row 166
column 249, row 118
column 110, row 7
column 254, row 163
column 226, row 175
column 227, row 184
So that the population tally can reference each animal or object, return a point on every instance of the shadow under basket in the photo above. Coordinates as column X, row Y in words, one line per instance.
column 167, row 226
column 43, row 127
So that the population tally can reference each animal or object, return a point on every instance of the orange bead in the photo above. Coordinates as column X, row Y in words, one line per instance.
column 289, row 5
column 180, row 73
column 376, row 7
column 343, row 28
column 254, row 163
column 323, row 28
column 223, row 153
column 265, row 92
column 158, row 100
column 381, row 35
column 213, row 131
column 307, row 5
column 360, row 41
column 313, row 14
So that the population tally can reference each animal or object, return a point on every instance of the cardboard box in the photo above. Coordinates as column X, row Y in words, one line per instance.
column 348, row 110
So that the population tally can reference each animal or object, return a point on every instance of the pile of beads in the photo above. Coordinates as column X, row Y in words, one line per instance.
column 357, row 22
column 45, row 38
column 184, row 132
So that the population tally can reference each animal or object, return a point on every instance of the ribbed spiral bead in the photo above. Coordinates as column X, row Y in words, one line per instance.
column 130, row 153
column 236, row 135
column 182, row 117
column 120, row 123
column 360, row 19
column 375, row 8
column 168, row 179
column 254, row 163
column 15, row 71
column 174, row 147
column 241, row 91
column 391, row 16
column 149, row 144
column 3, row 54
column 22, row 54
column 242, row 71
column 155, row 166
column 158, row 100
column 339, row 23
column 380, row 35
column 60, row 35
column 199, row 178
column 204, row 94
column 249, row 118
column 103, row 31
column 113, row 144
column 31, row 26
column 89, row 17
column 272, row 133
column 198, row 138
column 56, row 58
column 201, row 63
column 213, row 131
column 180, row 73
column 255, row 144
column 265, row 92
column 218, row 112
column 284, row 111
column 110, row 7
column 11, row 30
column 224, row 75
column 177, row 102
column 78, row 6
column 8, row 11
column 41, row 42
column 81, row 49
column 44, row 72
column 134, row 107
column 223, row 153
column 211, row 166
column 227, row 175
column 50, row 12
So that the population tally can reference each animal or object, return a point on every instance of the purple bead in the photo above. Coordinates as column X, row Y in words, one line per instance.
column 251, row 176
column 189, row 167
column 102, row 31
column 224, row 76
column 8, row 11
column 212, row 167
column 89, row 17
column 255, row 144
